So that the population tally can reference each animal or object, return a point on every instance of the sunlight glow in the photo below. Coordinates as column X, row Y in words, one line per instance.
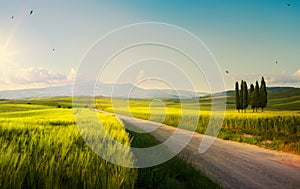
column 5, row 56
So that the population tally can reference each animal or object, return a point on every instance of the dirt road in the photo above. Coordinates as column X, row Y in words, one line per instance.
column 232, row 164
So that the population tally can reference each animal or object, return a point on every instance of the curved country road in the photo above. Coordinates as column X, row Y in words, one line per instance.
column 232, row 164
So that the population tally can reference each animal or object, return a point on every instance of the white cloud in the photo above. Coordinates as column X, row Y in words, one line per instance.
column 141, row 75
column 72, row 74
column 297, row 74
column 282, row 79
column 35, row 77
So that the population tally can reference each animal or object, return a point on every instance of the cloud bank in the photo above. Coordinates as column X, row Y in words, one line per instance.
column 35, row 77
column 282, row 79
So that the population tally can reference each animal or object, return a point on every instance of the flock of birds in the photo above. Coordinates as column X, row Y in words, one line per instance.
column 227, row 72
column 276, row 62
column 30, row 13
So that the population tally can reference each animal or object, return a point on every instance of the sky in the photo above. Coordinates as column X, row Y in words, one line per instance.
column 249, row 39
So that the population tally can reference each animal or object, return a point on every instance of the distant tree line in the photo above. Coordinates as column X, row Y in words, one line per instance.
column 256, row 96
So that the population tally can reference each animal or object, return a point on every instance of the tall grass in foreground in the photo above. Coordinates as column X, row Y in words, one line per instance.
column 175, row 173
column 43, row 149
column 40, row 147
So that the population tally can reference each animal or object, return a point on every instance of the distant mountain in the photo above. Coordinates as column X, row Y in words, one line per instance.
column 118, row 90
column 122, row 90
column 36, row 92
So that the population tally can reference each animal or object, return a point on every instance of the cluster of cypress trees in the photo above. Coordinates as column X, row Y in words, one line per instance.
column 257, row 96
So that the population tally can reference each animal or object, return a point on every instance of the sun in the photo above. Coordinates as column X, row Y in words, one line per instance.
column 8, row 53
column 5, row 56
column 8, row 48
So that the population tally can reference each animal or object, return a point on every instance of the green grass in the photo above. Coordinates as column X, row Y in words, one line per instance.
column 285, row 103
column 274, row 128
column 277, row 127
column 175, row 173
column 42, row 148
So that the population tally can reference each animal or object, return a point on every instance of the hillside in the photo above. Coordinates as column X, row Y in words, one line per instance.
column 279, row 98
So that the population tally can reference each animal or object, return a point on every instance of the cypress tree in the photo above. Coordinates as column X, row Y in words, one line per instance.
column 255, row 100
column 263, row 94
column 241, row 95
column 237, row 96
column 245, row 96
column 251, row 93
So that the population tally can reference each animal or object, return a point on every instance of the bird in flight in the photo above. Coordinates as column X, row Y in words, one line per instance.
column 276, row 62
column 227, row 71
column 288, row 4
column 12, row 17
column 31, row 12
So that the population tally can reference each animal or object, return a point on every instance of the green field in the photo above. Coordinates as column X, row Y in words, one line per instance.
column 41, row 147
column 278, row 127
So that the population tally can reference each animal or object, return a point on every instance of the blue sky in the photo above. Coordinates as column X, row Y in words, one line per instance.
column 245, row 37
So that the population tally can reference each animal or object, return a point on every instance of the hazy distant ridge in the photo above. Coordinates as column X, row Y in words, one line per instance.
column 119, row 90
column 122, row 90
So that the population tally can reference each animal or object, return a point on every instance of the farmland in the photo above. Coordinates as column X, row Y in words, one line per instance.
column 275, row 130
column 278, row 127
column 41, row 147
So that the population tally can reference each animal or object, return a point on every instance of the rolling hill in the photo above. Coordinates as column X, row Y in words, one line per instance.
column 279, row 98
